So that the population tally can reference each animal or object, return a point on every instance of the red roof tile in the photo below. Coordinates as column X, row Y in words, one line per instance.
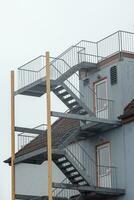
column 59, row 128
column 128, row 114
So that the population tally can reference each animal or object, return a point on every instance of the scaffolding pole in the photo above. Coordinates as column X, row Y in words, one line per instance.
column 12, row 138
column 49, row 140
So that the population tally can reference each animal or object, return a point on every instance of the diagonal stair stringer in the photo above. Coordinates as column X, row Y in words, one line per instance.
column 77, row 99
column 73, row 165
column 75, row 68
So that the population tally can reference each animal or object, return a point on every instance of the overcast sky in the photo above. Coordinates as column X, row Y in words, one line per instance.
column 30, row 27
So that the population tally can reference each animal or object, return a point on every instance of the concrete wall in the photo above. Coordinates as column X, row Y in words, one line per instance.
column 121, row 93
column 129, row 160
column 32, row 179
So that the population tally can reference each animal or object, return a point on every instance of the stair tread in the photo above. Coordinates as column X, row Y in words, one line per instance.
column 62, row 94
column 71, row 171
column 72, row 104
column 79, row 181
column 67, row 95
column 57, row 89
column 68, row 99
column 66, row 167
column 74, row 176
column 62, row 162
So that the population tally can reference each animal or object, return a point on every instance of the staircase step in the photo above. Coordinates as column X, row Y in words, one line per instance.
column 79, row 177
column 72, row 179
column 71, row 171
column 75, row 197
column 74, row 176
column 68, row 99
column 66, row 166
column 56, row 157
column 72, row 104
column 58, row 89
column 79, row 109
column 62, row 162
column 83, row 112
column 63, row 94
column 79, row 181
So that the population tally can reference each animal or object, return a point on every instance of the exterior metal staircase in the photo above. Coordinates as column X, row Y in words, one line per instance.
column 70, row 99
column 75, row 68
column 70, row 136
column 79, row 168
column 62, row 193
column 64, row 79
column 81, row 176
column 74, row 171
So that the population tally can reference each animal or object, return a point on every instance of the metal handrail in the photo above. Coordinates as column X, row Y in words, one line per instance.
column 53, row 61
column 91, row 55
column 30, row 137
column 69, row 152
column 75, row 74
column 59, row 57
column 69, row 57
column 77, row 44
column 28, row 70
column 90, row 166
column 107, row 36
column 104, row 99
column 55, row 189
column 30, row 61
column 61, row 192
column 90, row 158
column 34, row 128
column 70, row 83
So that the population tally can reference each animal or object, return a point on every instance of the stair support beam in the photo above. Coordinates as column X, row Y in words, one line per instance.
column 83, row 118
column 84, row 188
column 83, row 105
column 29, row 130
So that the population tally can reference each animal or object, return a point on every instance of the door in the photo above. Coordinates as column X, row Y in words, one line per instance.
column 101, row 102
column 103, row 165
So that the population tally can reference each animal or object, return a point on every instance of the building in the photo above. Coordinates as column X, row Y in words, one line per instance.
column 92, row 143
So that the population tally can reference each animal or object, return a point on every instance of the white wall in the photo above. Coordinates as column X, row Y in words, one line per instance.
column 121, row 93
column 32, row 179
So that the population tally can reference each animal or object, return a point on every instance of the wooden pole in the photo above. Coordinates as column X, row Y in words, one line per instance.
column 49, row 139
column 12, row 138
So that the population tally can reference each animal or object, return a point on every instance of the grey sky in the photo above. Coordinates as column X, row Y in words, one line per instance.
column 30, row 27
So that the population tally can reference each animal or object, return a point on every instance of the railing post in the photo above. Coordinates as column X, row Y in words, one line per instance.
column 49, row 141
column 120, row 42
column 12, row 138
column 97, row 52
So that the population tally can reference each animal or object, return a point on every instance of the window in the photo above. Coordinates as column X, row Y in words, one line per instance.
column 113, row 75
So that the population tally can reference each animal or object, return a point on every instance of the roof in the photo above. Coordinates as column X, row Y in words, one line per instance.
column 63, row 126
column 128, row 114
column 59, row 129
